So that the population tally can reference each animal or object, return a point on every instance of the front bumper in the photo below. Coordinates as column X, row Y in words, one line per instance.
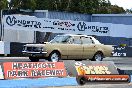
column 35, row 54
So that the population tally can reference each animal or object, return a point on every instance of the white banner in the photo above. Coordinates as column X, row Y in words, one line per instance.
column 21, row 22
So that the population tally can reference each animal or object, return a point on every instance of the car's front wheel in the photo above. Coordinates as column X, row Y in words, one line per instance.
column 54, row 57
column 33, row 59
column 98, row 57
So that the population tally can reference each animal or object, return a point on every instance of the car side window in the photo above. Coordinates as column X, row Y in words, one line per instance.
column 66, row 39
column 77, row 40
column 74, row 40
column 87, row 40
column 70, row 40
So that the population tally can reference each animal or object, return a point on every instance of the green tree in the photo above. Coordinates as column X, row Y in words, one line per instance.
column 3, row 4
column 22, row 4
column 80, row 6
column 104, row 6
column 88, row 6
column 59, row 5
column 128, row 11
column 116, row 9
column 42, row 4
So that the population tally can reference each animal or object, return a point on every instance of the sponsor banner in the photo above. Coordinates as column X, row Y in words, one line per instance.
column 21, row 22
column 1, row 72
column 128, row 72
column 90, row 67
column 122, row 51
column 102, row 78
column 33, row 69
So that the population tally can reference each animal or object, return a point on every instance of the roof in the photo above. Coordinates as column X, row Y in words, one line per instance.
column 112, row 15
column 77, row 35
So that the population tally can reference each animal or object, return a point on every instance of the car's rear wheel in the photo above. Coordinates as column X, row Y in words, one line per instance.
column 98, row 56
column 33, row 59
column 54, row 56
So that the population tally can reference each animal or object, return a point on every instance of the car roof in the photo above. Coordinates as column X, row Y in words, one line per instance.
column 76, row 35
column 95, row 40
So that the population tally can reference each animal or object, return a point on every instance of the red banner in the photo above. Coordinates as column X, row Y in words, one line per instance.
column 33, row 69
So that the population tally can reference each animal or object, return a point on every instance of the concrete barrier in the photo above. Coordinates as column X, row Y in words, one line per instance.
column 75, row 68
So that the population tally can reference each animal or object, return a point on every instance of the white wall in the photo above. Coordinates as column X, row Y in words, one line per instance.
column 4, row 47
column 120, row 30
column 18, row 36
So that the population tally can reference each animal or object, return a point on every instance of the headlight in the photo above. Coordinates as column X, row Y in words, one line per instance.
column 40, row 49
column 33, row 49
column 24, row 48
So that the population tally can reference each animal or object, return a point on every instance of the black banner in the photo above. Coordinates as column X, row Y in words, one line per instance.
column 83, row 79
column 120, row 51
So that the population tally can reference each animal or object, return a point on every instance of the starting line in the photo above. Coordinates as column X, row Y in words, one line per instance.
column 46, row 82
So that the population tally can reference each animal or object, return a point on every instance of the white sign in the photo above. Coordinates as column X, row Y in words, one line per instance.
column 21, row 22
column 1, row 73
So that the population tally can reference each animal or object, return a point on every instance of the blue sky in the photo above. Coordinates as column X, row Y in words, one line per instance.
column 126, row 4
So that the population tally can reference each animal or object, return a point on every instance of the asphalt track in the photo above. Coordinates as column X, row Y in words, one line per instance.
column 124, row 63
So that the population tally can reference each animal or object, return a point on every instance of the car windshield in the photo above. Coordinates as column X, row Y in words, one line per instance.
column 60, row 39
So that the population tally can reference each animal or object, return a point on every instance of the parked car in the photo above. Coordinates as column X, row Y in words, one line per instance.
column 68, row 46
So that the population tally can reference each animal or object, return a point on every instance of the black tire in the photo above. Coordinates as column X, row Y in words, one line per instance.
column 81, row 80
column 54, row 59
column 78, row 59
column 99, row 55
column 34, row 59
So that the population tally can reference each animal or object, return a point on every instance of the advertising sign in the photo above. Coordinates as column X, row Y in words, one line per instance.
column 122, row 51
column 32, row 23
column 33, row 69
column 21, row 22
column 81, row 80
column 90, row 67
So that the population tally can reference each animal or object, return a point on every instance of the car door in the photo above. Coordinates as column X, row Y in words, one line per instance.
column 75, row 48
column 88, row 47
column 63, row 49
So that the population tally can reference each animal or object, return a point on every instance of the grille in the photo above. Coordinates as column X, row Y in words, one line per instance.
column 29, row 48
column 35, row 49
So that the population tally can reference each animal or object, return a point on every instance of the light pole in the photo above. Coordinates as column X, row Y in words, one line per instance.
column 1, row 30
